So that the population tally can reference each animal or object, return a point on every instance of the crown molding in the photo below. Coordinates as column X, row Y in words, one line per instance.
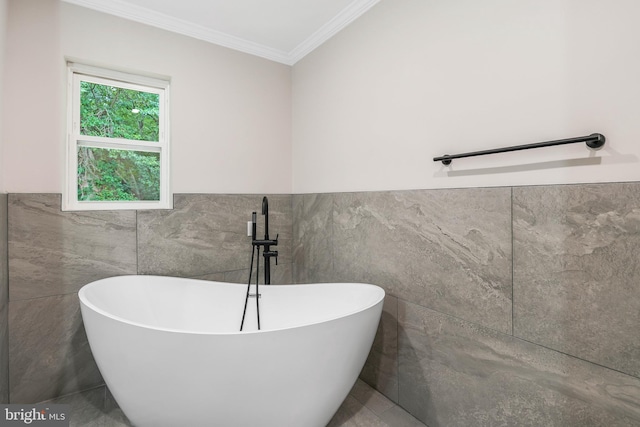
column 143, row 15
column 150, row 17
column 349, row 14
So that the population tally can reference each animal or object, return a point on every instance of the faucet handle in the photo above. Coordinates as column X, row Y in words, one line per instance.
column 270, row 254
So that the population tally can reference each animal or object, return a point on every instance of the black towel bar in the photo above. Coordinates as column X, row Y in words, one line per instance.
column 595, row 140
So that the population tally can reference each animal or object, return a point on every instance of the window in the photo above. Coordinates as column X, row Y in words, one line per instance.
column 118, row 141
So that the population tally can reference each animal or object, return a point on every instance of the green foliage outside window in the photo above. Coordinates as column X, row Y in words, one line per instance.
column 108, row 174
column 115, row 174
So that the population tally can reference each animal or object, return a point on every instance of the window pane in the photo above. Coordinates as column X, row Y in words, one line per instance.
column 114, row 112
column 118, row 175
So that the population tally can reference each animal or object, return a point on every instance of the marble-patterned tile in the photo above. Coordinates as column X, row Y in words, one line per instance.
column 49, row 353
column 445, row 249
column 87, row 407
column 370, row 407
column 281, row 274
column 4, row 303
column 576, row 271
column 398, row 417
column 53, row 252
column 213, row 277
column 371, row 398
column 381, row 368
column 313, row 243
column 354, row 414
column 93, row 408
column 456, row 373
column 113, row 415
column 242, row 276
column 297, row 244
column 207, row 233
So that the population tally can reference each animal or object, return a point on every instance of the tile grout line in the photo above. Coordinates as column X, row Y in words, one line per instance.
column 513, row 263
column 398, row 349
column 516, row 337
column 334, row 234
column 8, row 329
column 573, row 356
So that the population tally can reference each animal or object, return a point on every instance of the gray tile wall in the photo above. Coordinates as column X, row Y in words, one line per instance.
column 505, row 306
column 447, row 250
column 577, row 271
column 4, row 303
column 52, row 254
column 456, row 373
column 207, row 234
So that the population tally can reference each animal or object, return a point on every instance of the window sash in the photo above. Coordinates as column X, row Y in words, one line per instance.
column 78, row 73
column 119, row 143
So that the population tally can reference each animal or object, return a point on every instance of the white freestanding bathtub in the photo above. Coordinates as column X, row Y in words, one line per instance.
column 171, row 352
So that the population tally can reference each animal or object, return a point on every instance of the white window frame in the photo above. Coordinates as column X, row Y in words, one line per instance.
column 80, row 72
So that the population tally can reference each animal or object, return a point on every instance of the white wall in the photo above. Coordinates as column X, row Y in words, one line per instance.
column 408, row 81
column 33, row 103
column 230, row 115
column 3, row 30
column 414, row 79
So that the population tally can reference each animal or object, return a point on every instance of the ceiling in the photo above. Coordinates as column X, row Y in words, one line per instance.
column 279, row 30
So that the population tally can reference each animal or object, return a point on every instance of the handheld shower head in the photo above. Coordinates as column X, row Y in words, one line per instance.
column 265, row 212
column 253, row 226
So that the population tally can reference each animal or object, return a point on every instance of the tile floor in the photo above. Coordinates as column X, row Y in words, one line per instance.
column 363, row 407
column 367, row 407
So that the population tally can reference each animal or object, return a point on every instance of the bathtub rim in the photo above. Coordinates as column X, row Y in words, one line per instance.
column 85, row 302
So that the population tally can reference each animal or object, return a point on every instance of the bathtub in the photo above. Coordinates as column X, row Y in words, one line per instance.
column 171, row 353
